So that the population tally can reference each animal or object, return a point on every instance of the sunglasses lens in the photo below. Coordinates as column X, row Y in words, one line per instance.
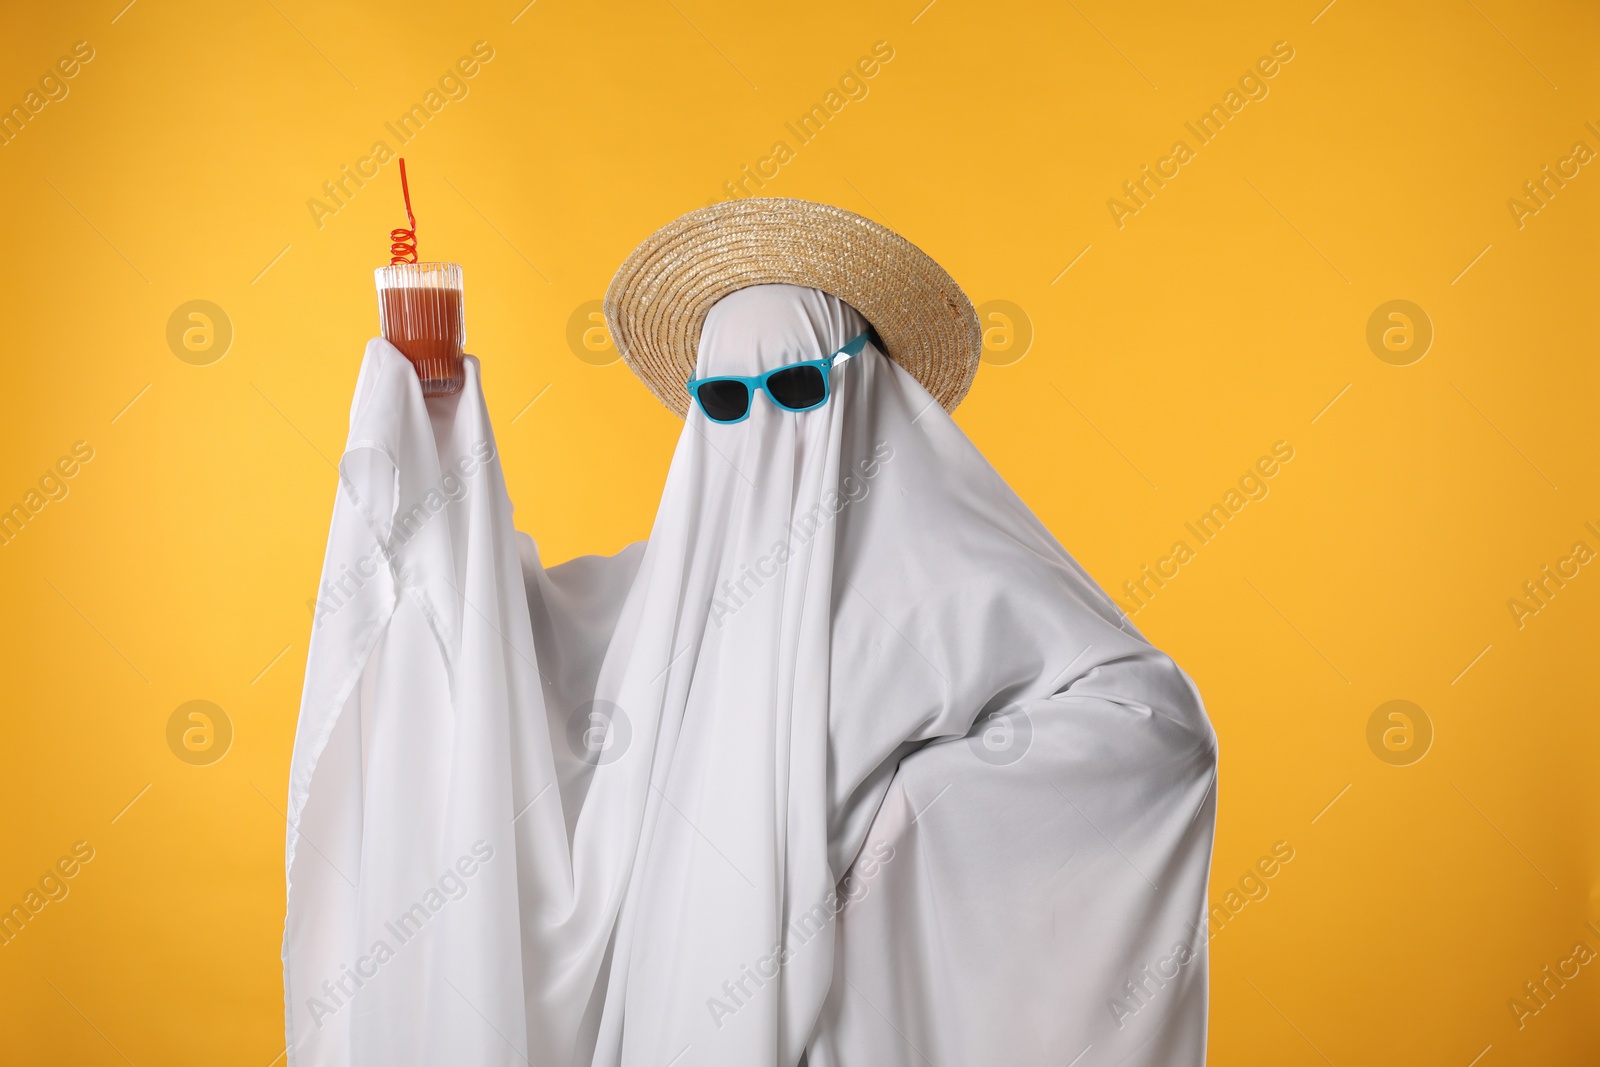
column 723, row 401
column 798, row 388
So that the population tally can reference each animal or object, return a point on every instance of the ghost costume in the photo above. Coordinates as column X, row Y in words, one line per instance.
column 850, row 763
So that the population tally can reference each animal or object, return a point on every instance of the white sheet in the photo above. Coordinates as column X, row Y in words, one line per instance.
column 891, row 781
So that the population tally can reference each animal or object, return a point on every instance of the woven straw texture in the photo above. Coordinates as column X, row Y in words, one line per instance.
column 658, row 300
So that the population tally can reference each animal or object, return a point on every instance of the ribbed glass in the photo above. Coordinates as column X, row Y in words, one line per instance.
column 422, row 312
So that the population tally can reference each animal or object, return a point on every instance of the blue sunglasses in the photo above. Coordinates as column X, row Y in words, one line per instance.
column 793, row 387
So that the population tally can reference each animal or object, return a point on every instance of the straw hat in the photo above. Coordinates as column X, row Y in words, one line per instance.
column 658, row 300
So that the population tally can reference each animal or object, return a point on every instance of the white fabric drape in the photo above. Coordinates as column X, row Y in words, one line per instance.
column 849, row 761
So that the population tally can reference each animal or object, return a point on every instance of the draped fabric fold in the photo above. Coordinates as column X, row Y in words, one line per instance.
column 849, row 761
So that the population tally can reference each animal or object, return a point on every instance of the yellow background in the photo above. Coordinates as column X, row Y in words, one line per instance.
column 1226, row 315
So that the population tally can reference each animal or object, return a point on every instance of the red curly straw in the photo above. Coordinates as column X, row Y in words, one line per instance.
column 403, row 243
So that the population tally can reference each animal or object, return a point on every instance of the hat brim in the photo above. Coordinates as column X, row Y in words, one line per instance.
column 656, row 304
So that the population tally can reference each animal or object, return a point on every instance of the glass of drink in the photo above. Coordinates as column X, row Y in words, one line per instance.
column 421, row 312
